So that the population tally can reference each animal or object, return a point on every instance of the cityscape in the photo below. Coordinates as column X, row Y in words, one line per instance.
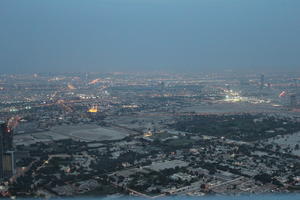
column 149, row 135
column 150, row 99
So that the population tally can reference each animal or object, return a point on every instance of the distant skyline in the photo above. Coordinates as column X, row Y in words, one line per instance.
column 146, row 35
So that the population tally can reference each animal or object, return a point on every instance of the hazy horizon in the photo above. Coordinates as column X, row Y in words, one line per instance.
column 149, row 35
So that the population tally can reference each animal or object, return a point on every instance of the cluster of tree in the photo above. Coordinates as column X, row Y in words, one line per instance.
column 267, row 178
column 245, row 127
column 106, row 164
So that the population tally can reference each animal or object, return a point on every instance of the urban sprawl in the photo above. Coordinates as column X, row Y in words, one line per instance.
column 149, row 134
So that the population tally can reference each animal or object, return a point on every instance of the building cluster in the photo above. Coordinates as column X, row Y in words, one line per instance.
column 149, row 135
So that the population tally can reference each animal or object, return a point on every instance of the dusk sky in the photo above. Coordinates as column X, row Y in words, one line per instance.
column 128, row 35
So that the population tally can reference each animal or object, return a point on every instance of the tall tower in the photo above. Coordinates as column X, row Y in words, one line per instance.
column 262, row 81
column 6, row 151
column 293, row 100
column 296, row 83
column 2, row 128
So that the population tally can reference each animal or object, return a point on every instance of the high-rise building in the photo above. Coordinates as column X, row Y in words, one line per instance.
column 262, row 81
column 2, row 128
column 6, row 151
column 8, row 164
column 8, row 139
column 296, row 83
column 293, row 100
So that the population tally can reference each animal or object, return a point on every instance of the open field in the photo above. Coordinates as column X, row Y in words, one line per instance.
column 287, row 141
column 86, row 133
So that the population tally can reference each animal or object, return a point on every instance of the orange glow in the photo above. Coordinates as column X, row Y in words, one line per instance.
column 148, row 134
column 71, row 87
column 93, row 109
column 98, row 80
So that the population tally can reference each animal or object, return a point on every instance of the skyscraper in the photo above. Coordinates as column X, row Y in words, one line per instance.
column 295, row 83
column 6, row 151
column 2, row 128
column 8, row 164
column 293, row 100
column 262, row 81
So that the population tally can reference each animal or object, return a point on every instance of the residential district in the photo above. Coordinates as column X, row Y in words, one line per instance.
column 149, row 135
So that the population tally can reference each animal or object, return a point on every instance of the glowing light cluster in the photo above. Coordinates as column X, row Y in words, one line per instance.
column 93, row 109
column 148, row 134
column 98, row 80
column 71, row 87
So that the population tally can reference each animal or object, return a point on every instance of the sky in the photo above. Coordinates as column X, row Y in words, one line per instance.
column 148, row 35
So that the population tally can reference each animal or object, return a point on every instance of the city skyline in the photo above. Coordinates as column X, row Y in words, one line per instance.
column 150, row 99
